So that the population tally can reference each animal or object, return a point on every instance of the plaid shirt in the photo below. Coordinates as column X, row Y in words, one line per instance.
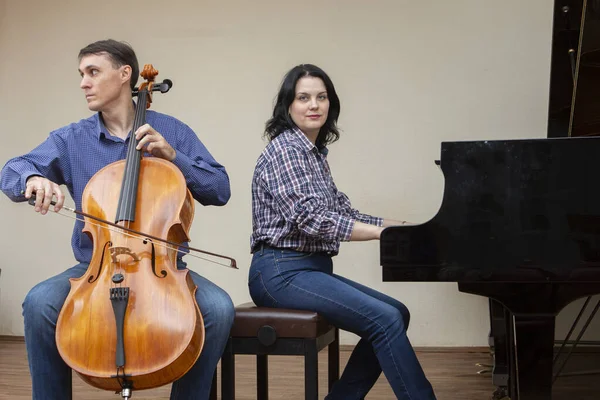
column 295, row 203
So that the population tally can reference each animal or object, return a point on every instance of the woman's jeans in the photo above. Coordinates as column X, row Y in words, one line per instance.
column 291, row 279
column 51, row 377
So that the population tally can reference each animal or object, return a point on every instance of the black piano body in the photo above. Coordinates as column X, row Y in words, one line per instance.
column 512, row 211
column 519, row 223
column 519, row 220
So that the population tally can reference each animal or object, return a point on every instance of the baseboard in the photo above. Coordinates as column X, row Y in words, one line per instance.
column 457, row 349
column 9, row 338
column 419, row 349
column 343, row 347
column 435, row 349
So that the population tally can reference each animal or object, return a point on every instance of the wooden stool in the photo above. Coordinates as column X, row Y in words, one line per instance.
column 275, row 331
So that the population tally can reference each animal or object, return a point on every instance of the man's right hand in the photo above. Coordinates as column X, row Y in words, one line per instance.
column 44, row 191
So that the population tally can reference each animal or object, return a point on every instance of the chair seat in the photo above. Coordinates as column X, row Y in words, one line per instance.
column 265, row 331
column 288, row 323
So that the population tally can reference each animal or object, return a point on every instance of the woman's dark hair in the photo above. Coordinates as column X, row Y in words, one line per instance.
column 281, row 120
column 120, row 53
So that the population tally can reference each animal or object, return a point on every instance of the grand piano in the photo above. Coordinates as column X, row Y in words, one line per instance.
column 519, row 221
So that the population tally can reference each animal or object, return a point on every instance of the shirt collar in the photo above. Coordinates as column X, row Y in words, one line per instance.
column 100, row 129
column 298, row 136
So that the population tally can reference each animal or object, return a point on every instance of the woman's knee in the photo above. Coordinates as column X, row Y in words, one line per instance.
column 394, row 321
column 405, row 314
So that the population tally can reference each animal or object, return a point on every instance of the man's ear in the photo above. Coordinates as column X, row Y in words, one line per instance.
column 125, row 73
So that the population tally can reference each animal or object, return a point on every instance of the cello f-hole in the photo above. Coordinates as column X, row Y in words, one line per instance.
column 163, row 273
column 93, row 278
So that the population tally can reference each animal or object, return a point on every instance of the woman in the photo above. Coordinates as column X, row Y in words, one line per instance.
column 299, row 218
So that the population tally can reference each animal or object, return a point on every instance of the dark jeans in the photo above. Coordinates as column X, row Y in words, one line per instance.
column 291, row 279
column 51, row 377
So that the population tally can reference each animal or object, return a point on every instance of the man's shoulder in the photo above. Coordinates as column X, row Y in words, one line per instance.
column 89, row 124
column 169, row 126
column 155, row 117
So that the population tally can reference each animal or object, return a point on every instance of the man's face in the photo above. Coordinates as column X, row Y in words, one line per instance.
column 101, row 82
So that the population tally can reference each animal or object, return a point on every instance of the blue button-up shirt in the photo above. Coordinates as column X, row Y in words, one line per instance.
column 72, row 154
column 295, row 203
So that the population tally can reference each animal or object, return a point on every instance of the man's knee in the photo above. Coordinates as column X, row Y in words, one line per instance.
column 227, row 311
column 47, row 298
column 219, row 312
column 37, row 305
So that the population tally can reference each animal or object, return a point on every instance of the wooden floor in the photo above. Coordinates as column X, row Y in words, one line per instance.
column 452, row 373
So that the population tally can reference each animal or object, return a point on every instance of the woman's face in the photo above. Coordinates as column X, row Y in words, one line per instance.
column 310, row 106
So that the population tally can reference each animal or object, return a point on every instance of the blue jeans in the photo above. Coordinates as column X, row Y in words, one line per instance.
column 51, row 377
column 290, row 279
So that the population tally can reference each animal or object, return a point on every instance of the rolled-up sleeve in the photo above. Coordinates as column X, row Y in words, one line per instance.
column 346, row 209
column 301, row 201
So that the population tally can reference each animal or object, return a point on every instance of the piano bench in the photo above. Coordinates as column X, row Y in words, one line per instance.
column 264, row 331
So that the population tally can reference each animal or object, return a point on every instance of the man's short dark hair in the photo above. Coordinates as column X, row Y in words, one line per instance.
column 120, row 53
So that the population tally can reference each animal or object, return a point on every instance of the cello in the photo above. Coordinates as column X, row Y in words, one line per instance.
column 131, row 321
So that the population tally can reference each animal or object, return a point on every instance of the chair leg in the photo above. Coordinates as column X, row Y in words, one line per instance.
column 213, row 387
column 228, row 372
column 262, row 377
column 333, row 358
column 311, row 370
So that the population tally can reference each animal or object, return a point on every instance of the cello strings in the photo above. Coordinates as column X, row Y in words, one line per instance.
column 131, row 168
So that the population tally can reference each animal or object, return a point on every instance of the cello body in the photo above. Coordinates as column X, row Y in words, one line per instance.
column 132, row 321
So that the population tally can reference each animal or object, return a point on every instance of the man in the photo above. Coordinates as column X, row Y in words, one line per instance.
column 71, row 155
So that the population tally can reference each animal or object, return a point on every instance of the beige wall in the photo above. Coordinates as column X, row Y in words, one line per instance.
column 410, row 75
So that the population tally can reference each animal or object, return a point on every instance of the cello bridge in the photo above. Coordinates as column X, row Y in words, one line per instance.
column 117, row 251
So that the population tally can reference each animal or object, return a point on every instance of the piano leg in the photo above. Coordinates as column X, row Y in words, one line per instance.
column 501, row 338
column 500, row 326
column 489, row 368
column 532, row 308
column 534, row 344
column 511, row 353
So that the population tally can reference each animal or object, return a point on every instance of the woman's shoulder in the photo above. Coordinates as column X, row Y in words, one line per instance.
column 279, row 150
column 283, row 146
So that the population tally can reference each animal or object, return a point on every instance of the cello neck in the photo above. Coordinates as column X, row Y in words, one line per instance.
column 128, row 196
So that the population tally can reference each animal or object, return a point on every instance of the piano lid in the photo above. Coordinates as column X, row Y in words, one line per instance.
column 574, row 107
column 524, row 210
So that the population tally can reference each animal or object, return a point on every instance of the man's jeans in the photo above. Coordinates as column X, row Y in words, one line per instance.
column 290, row 279
column 51, row 377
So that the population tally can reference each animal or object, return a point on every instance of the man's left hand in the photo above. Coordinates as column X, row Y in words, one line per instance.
column 154, row 143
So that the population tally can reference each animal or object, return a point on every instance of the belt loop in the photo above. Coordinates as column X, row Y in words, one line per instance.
column 262, row 249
